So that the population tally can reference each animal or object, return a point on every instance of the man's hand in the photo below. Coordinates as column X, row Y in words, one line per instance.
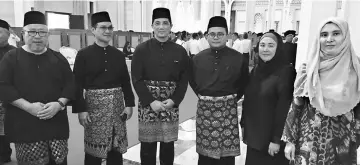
column 84, row 118
column 157, row 106
column 290, row 151
column 128, row 111
column 169, row 103
column 273, row 149
column 303, row 68
column 35, row 108
column 49, row 111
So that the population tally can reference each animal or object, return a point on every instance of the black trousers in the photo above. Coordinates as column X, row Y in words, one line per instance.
column 148, row 153
column 256, row 157
column 247, row 58
column 113, row 158
column 205, row 160
column 5, row 150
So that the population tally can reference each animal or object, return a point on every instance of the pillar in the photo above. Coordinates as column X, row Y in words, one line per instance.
column 250, row 12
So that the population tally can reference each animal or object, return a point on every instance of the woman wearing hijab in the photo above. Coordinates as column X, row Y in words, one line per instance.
column 322, row 126
column 266, row 102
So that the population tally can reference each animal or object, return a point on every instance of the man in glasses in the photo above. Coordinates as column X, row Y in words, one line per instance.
column 5, row 150
column 107, row 101
column 219, row 76
column 160, row 78
column 36, row 83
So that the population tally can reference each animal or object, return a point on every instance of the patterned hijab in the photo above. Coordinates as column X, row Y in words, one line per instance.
column 332, row 85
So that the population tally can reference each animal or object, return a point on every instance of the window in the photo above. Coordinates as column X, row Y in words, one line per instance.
column 58, row 20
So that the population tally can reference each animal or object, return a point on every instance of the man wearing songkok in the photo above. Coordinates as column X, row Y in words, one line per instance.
column 101, row 71
column 219, row 76
column 36, row 83
column 5, row 150
column 289, row 47
column 160, row 78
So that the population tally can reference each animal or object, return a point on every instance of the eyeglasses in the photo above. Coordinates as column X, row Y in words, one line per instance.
column 104, row 28
column 33, row 33
column 219, row 35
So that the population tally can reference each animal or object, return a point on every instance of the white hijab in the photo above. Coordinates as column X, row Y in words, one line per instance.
column 331, row 85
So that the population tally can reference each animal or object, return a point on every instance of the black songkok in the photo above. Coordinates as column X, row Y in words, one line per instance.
column 218, row 21
column 161, row 13
column 4, row 24
column 290, row 32
column 100, row 17
column 34, row 17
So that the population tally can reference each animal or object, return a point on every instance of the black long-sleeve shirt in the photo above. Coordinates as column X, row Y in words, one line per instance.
column 160, row 61
column 290, row 50
column 98, row 67
column 36, row 78
column 5, row 49
column 219, row 72
column 265, row 106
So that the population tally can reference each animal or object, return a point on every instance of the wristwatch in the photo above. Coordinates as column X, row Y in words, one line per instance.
column 62, row 105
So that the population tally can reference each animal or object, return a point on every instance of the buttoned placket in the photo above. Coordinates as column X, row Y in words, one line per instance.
column 216, row 61
column 162, row 54
column 106, row 59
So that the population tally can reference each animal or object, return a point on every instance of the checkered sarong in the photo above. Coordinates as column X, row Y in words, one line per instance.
column 40, row 153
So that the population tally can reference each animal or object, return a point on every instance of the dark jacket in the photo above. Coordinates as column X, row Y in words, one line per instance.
column 36, row 78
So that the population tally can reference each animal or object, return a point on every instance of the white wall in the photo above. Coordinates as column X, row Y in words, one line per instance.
column 111, row 7
column 7, row 12
column 353, row 18
column 59, row 6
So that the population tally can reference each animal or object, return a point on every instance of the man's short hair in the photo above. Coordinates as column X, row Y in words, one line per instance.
column 194, row 35
column 245, row 35
column 235, row 34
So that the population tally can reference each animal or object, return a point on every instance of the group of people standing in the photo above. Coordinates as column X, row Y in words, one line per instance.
column 192, row 43
column 312, row 121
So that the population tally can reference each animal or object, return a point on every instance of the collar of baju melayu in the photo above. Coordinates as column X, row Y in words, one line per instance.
column 26, row 49
column 160, row 43
column 219, row 50
column 99, row 47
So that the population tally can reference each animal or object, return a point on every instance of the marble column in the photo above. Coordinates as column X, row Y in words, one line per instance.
column 18, row 13
column 271, row 6
column 250, row 12
column 121, row 15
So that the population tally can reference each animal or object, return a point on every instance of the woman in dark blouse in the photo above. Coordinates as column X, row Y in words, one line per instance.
column 266, row 102
column 127, row 50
